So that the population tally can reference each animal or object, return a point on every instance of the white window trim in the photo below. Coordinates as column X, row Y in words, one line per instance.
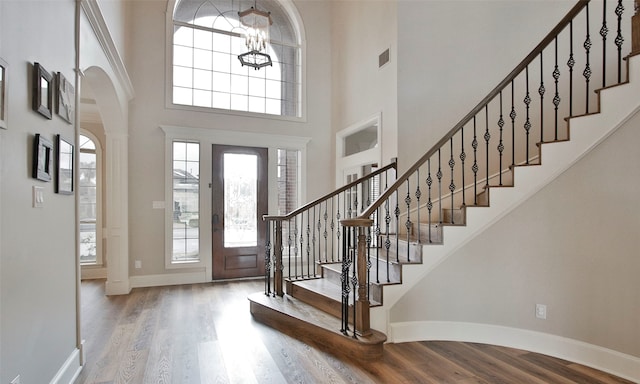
column 373, row 155
column 296, row 21
column 99, row 186
column 207, row 138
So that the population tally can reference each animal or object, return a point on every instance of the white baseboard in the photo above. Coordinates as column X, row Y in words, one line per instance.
column 607, row 360
column 168, row 279
column 69, row 370
column 118, row 287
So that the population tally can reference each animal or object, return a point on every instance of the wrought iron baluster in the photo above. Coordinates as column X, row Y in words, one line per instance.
column 354, row 277
column 368, row 261
column 619, row 39
column 326, row 232
column 500, row 144
column 397, row 213
column 289, row 246
column 429, row 202
column 556, row 97
column 313, row 238
column 487, row 137
column 418, row 195
column 439, row 177
column 295, row 247
column 463, row 156
column 541, row 91
column 587, row 69
column 332, row 231
column 571, row 63
column 344, row 280
column 513, row 116
column 355, row 201
column 408, row 224
column 308, row 244
column 267, row 261
column 338, row 230
column 452, row 185
column 527, row 124
column 377, row 247
column 604, row 30
column 474, row 168
column 387, row 242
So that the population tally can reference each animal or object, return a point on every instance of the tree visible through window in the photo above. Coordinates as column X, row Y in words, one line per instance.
column 207, row 73
column 88, row 205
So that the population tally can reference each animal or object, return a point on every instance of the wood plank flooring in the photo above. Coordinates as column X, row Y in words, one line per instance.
column 204, row 333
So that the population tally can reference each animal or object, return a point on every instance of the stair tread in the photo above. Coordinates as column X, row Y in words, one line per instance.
column 328, row 289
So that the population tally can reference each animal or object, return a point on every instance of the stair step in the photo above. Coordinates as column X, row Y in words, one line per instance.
column 312, row 326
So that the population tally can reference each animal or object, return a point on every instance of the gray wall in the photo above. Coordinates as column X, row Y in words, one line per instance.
column 37, row 252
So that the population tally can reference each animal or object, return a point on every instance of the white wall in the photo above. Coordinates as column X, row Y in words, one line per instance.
column 148, row 113
column 360, row 31
column 37, row 252
column 452, row 53
column 572, row 247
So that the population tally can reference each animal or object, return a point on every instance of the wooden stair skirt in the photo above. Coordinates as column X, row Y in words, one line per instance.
column 314, row 327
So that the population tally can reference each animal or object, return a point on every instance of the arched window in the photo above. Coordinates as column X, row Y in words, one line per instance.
column 206, row 71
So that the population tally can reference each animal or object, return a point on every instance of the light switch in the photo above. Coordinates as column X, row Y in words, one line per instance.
column 38, row 197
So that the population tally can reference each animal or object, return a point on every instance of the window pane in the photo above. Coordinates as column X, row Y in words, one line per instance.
column 256, row 104
column 202, row 98
column 202, row 59
column 182, row 56
column 221, row 100
column 186, row 201
column 202, row 39
column 182, row 77
column 239, row 84
column 256, row 87
column 202, row 79
column 182, row 96
column 221, row 82
column 183, row 36
column 239, row 102
column 240, row 200
column 221, row 62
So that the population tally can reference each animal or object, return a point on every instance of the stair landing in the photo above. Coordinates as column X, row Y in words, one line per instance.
column 313, row 326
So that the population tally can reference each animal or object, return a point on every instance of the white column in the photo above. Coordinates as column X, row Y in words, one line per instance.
column 117, row 213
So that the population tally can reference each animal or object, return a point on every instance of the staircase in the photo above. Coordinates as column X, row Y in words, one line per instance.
column 353, row 259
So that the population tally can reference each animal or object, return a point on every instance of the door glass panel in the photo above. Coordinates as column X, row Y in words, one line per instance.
column 240, row 200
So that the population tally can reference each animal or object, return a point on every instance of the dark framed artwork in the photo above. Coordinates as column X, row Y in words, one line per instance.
column 42, row 91
column 42, row 158
column 3, row 94
column 65, row 98
column 64, row 168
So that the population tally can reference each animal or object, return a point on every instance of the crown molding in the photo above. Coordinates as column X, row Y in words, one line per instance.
column 98, row 24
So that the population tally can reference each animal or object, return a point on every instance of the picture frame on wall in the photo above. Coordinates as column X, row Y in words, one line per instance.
column 65, row 98
column 42, row 91
column 64, row 168
column 3, row 94
column 42, row 158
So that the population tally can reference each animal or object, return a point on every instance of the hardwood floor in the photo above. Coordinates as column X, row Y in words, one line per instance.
column 204, row 333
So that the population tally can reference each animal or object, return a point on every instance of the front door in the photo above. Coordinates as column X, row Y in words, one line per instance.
column 240, row 196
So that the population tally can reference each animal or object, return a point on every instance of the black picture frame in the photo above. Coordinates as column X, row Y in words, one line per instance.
column 3, row 94
column 64, row 166
column 42, row 158
column 65, row 96
column 42, row 91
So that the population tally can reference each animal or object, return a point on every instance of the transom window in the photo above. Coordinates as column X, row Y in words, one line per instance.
column 207, row 40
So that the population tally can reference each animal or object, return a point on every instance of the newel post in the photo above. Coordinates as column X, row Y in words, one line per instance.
column 635, row 29
column 362, row 305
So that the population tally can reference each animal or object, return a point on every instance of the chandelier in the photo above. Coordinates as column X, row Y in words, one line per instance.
column 256, row 25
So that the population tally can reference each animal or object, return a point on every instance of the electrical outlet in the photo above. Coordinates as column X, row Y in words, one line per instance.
column 16, row 380
column 541, row 311
column 138, row 264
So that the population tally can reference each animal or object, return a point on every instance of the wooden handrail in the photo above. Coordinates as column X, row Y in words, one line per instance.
column 495, row 92
column 329, row 195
